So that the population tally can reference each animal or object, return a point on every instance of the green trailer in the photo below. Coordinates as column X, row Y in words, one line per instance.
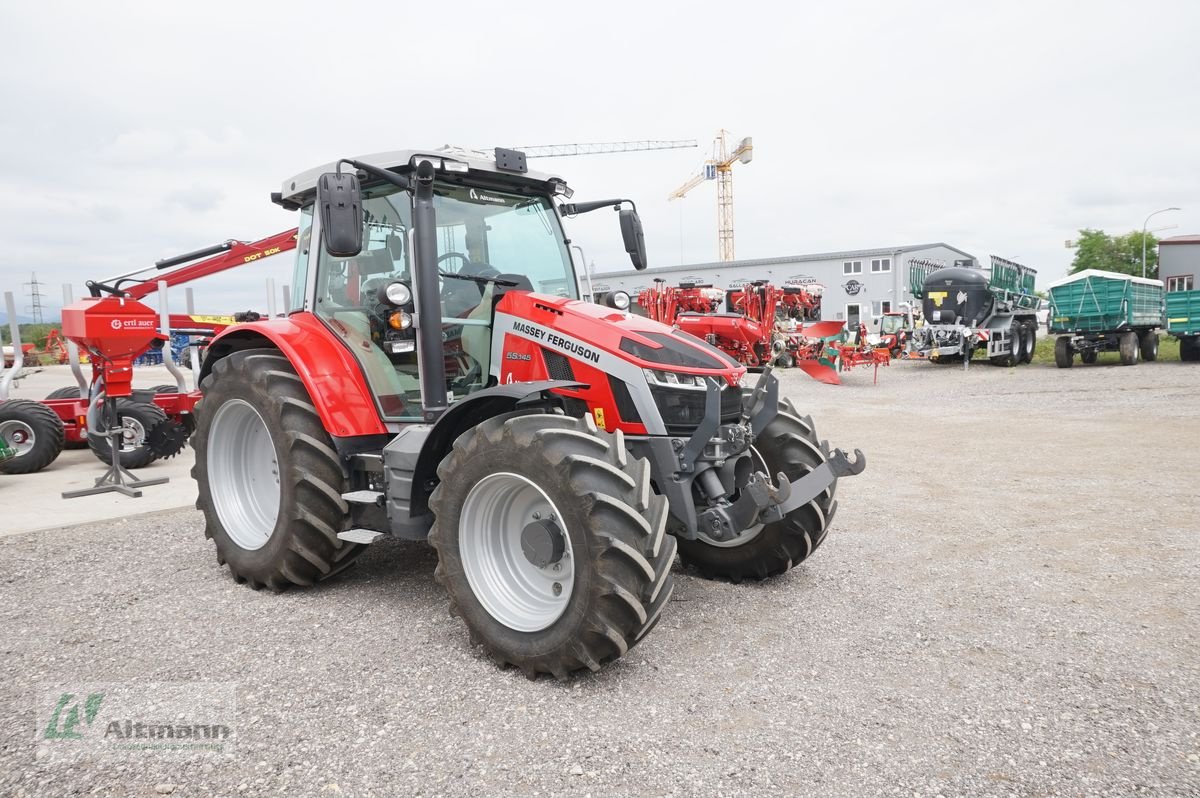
column 1183, row 323
column 1096, row 311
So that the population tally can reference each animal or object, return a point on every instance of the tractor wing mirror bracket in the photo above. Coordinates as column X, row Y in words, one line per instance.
column 339, row 198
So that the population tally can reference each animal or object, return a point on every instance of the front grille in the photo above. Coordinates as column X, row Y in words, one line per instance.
column 683, row 409
column 558, row 366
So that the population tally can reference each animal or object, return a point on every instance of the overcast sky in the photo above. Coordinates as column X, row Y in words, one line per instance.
column 133, row 131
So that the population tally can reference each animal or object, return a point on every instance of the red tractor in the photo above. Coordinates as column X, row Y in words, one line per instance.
column 555, row 473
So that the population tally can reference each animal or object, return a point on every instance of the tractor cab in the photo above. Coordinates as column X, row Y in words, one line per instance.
column 493, row 235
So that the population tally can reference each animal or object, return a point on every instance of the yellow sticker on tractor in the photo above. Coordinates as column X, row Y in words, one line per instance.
column 599, row 414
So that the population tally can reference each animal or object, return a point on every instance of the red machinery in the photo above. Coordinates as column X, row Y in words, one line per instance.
column 664, row 303
column 749, row 333
column 112, row 332
column 861, row 353
column 791, row 301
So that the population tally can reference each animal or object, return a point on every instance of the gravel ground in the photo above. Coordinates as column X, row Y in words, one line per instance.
column 1006, row 606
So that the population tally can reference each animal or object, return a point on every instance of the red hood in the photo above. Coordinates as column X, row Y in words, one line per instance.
column 604, row 328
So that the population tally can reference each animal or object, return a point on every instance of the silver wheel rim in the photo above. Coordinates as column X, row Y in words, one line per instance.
column 18, row 435
column 243, row 474
column 750, row 532
column 133, row 434
column 513, row 590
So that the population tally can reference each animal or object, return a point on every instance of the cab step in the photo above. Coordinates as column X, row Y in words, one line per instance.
column 364, row 497
column 363, row 536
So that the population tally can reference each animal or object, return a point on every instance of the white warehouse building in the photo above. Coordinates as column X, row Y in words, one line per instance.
column 856, row 284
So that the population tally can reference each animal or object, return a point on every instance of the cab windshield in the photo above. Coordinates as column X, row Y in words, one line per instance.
column 481, row 233
column 892, row 324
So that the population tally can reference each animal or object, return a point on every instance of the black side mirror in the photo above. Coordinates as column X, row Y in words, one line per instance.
column 635, row 240
column 339, row 198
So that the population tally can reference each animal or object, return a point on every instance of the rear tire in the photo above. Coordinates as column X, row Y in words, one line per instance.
column 1064, row 356
column 1148, row 343
column 1130, row 348
column 34, row 430
column 137, row 419
column 270, row 482
column 165, row 389
column 1189, row 349
column 788, row 444
column 611, row 531
column 1028, row 341
column 70, row 392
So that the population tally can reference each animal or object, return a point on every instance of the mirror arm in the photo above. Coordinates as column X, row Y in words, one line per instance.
column 576, row 208
column 400, row 181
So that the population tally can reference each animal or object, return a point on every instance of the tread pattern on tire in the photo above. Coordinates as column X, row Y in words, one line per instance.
column 790, row 541
column 149, row 415
column 630, row 553
column 304, row 547
column 49, row 435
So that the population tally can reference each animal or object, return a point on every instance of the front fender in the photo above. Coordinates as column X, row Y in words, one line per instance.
column 467, row 413
column 330, row 373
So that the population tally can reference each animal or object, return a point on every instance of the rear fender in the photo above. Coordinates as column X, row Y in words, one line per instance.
column 470, row 412
column 328, row 370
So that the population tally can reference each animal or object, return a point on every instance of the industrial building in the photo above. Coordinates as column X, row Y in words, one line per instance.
column 856, row 284
column 1179, row 262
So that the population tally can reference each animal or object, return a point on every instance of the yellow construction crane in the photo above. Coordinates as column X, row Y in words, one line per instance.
column 720, row 168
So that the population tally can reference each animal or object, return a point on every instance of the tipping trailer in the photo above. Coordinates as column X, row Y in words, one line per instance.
column 966, row 310
column 1097, row 311
column 1183, row 323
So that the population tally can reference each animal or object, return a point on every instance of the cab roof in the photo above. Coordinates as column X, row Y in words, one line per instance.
column 297, row 188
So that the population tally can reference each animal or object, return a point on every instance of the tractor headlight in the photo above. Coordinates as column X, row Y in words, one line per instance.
column 397, row 293
column 674, row 379
column 617, row 299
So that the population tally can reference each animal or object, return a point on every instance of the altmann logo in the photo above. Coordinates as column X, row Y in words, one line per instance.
column 184, row 717
column 481, row 197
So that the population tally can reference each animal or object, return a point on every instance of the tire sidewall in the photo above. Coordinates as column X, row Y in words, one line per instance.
column 247, row 562
column 507, row 456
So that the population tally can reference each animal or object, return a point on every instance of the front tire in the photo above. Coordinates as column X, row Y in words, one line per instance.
column 577, row 498
column 1130, row 348
column 34, row 431
column 788, row 444
column 270, row 482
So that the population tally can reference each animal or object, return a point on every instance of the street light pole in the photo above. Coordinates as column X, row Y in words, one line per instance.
column 1156, row 213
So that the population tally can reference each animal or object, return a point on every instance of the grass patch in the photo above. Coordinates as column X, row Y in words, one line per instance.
column 1168, row 351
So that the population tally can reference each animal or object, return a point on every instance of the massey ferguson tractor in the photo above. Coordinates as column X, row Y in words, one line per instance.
column 439, row 379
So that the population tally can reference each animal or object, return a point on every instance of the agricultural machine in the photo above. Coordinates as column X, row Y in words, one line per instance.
column 1096, row 311
column 802, row 304
column 966, row 311
column 152, row 423
column 555, row 472
column 895, row 328
column 663, row 303
column 750, row 331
